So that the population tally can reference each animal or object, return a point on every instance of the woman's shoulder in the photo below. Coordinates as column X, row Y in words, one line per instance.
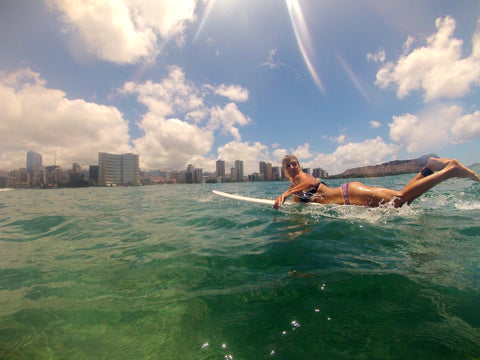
column 304, row 177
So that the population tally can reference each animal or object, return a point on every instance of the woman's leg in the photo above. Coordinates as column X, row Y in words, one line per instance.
column 420, row 184
column 372, row 196
column 443, row 169
column 433, row 164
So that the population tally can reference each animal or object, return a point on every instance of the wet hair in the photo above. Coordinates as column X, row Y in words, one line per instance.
column 287, row 160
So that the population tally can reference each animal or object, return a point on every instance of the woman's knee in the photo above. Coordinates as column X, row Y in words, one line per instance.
column 398, row 201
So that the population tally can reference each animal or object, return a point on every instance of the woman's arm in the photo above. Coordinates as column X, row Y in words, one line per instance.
column 301, row 182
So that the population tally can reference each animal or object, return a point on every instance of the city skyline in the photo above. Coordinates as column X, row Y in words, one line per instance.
column 38, row 158
column 123, row 169
column 340, row 84
column 31, row 152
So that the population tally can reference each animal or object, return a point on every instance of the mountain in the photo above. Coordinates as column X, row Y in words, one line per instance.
column 390, row 168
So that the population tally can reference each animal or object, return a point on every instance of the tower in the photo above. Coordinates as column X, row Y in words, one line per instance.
column 34, row 162
column 239, row 170
column 220, row 168
column 34, row 167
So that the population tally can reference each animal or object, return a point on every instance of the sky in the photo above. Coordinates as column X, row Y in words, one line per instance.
column 339, row 83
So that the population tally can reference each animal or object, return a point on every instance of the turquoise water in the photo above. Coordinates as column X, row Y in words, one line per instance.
column 175, row 272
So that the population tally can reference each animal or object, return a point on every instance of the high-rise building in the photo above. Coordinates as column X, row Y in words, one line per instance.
column 189, row 173
column 220, row 172
column 198, row 176
column 319, row 173
column 262, row 170
column 269, row 172
column 238, row 174
column 34, row 163
column 118, row 169
column 76, row 169
column 77, row 178
column 93, row 174
column 276, row 173
column 130, row 169
column 265, row 170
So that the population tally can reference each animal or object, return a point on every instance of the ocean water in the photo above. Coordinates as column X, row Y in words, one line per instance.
column 176, row 272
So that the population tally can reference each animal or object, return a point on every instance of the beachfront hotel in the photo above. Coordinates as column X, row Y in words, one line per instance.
column 118, row 169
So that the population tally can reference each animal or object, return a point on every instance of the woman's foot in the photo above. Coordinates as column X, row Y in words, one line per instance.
column 461, row 171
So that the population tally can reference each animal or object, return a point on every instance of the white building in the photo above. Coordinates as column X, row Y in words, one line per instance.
column 118, row 169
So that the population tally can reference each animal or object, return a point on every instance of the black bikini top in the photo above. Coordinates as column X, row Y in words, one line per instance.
column 307, row 196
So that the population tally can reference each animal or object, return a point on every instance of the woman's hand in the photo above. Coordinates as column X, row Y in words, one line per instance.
column 279, row 201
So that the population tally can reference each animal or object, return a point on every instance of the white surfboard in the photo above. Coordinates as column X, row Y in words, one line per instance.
column 244, row 198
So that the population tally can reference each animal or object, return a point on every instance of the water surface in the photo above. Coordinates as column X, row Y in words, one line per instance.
column 175, row 272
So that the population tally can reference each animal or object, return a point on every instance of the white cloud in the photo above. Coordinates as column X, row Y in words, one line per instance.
column 467, row 127
column 435, row 128
column 368, row 152
column 124, row 31
column 379, row 56
column 174, row 95
column 171, row 143
column 302, row 151
column 375, row 124
column 179, row 127
column 35, row 117
column 169, row 18
column 227, row 118
column 426, row 131
column 340, row 139
column 407, row 45
column 172, row 126
column 271, row 62
column 278, row 155
column 438, row 68
column 233, row 92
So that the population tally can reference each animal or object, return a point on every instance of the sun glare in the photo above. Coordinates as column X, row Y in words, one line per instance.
column 299, row 25
column 203, row 20
column 304, row 40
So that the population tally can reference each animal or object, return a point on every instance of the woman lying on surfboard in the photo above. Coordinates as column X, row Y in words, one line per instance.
column 305, row 188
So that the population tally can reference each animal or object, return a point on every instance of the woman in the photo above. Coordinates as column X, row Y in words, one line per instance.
column 305, row 188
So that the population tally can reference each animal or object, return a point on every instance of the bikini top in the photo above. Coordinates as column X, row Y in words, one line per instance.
column 307, row 196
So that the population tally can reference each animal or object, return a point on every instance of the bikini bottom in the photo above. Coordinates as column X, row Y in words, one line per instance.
column 345, row 193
